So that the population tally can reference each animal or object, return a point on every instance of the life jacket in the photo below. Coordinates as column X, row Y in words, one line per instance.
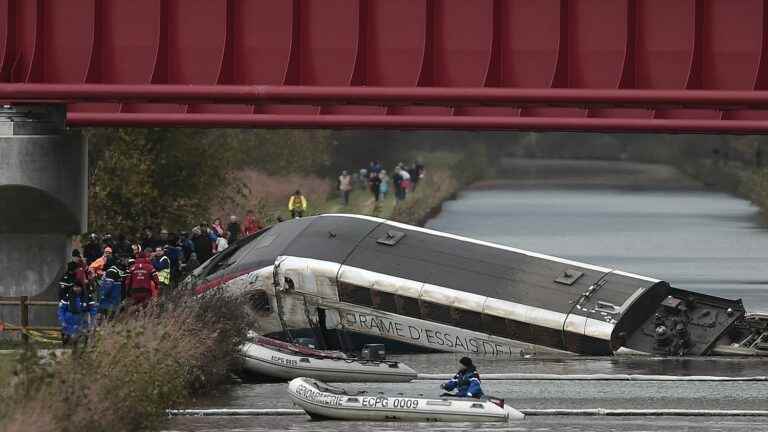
column 466, row 382
column 297, row 202
column 164, row 275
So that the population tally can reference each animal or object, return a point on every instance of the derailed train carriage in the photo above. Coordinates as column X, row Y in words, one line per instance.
column 347, row 280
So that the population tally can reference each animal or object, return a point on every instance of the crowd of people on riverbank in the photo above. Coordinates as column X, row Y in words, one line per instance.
column 376, row 180
column 112, row 272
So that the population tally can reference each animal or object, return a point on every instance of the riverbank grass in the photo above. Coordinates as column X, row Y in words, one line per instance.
column 8, row 361
column 133, row 369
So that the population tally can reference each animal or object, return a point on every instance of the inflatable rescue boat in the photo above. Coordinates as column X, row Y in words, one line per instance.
column 264, row 357
column 323, row 402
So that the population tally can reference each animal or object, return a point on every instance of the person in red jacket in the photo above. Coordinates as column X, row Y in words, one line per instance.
column 251, row 224
column 81, row 271
column 142, row 282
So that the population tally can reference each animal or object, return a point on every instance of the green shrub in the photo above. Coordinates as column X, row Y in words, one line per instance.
column 756, row 186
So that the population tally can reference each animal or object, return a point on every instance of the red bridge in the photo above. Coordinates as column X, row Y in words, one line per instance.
column 646, row 65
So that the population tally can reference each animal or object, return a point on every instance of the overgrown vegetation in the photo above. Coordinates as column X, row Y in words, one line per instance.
column 756, row 186
column 132, row 370
column 8, row 362
column 174, row 177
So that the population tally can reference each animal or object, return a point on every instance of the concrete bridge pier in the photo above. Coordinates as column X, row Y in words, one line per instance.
column 43, row 199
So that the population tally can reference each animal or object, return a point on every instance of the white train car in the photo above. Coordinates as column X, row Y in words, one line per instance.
column 347, row 280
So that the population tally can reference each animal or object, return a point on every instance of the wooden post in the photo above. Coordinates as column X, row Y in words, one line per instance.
column 24, row 317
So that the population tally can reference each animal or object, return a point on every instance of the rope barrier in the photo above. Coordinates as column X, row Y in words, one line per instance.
column 48, row 336
column 591, row 412
column 593, row 377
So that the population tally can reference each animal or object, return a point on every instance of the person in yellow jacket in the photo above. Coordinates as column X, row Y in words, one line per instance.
column 297, row 204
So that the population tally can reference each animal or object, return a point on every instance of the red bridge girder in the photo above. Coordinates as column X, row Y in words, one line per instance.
column 649, row 65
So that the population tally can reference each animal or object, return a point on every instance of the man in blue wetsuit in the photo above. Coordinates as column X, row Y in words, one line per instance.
column 466, row 381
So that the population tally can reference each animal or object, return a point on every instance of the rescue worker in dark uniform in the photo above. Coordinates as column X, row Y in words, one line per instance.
column 77, row 313
column 110, row 293
column 466, row 382
column 68, row 280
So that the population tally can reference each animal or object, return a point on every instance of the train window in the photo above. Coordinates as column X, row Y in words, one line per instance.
column 383, row 301
column 494, row 325
column 408, row 306
column 532, row 333
column 507, row 328
column 547, row 336
column 467, row 319
column 436, row 312
column 354, row 294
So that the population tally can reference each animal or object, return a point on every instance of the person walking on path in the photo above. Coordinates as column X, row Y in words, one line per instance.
column 373, row 185
column 405, row 184
column 297, row 204
column 345, row 187
column 383, row 184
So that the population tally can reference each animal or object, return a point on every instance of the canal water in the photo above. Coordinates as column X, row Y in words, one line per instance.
column 696, row 239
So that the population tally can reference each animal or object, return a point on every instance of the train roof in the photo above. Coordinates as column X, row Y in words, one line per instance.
column 430, row 257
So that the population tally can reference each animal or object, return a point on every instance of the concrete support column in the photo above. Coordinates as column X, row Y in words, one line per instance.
column 43, row 196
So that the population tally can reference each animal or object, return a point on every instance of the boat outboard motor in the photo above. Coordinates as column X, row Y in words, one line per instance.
column 373, row 352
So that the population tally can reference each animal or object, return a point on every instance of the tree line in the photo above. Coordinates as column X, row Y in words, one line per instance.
column 172, row 177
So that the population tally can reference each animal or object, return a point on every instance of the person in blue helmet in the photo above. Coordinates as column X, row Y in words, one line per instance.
column 466, row 382
column 77, row 313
